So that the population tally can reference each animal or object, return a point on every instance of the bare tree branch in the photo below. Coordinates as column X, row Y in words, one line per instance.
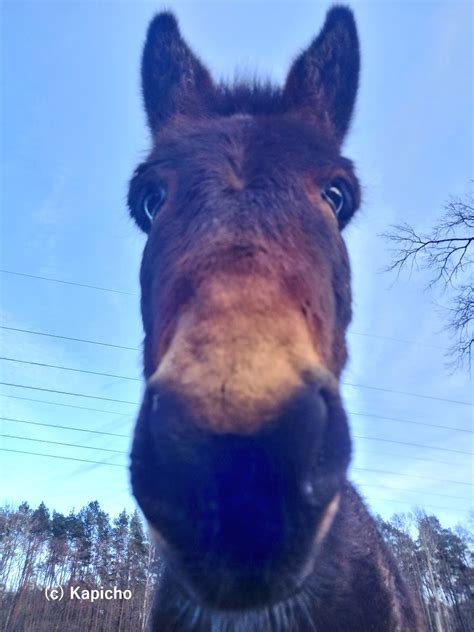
column 446, row 251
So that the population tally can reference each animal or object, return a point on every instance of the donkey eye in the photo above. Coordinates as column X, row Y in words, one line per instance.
column 153, row 201
column 338, row 195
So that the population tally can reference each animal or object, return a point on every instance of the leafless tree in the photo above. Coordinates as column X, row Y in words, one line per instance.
column 89, row 549
column 446, row 252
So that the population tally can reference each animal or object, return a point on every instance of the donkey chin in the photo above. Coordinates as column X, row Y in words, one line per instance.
column 239, row 486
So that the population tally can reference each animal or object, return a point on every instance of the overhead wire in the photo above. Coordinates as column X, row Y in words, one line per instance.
column 412, row 444
column 53, row 390
column 65, row 458
column 38, row 423
column 68, row 368
column 126, row 436
column 106, row 289
column 49, row 335
column 411, row 491
column 121, row 377
column 349, row 384
column 62, row 443
column 137, row 379
column 428, row 478
column 357, row 436
column 85, row 285
column 43, row 401
column 106, row 463
column 359, row 469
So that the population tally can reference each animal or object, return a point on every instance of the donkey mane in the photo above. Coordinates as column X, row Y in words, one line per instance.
column 252, row 96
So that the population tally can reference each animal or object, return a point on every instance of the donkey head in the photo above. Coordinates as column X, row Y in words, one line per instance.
column 242, row 444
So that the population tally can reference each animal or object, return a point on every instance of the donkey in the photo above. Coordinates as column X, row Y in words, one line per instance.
column 241, row 448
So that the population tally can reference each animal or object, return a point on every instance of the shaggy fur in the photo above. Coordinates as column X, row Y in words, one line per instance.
column 242, row 445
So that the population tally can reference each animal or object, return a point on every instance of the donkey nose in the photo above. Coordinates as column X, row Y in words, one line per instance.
column 290, row 444
column 244, row 501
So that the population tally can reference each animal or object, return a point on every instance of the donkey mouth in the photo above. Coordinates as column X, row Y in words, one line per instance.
column 256, row 598
column 217, row 589
column 238, row 514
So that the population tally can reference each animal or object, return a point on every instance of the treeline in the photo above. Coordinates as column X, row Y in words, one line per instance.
column 87, row 551
column 438, row 564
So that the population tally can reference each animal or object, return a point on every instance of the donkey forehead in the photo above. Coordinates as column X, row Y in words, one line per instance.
column 250, row 144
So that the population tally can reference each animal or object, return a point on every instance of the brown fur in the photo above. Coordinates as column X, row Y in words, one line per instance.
column 236, row 366
column 242, row 445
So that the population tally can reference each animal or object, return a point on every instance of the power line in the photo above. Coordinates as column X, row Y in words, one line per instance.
column 52, row 390
column 405, row 456
column 37, row 423
column 390, row 390
column 65, row 458
column 106, row 289
column 70, row 458
column 69, row 445
column 125, row 377
column 44, row 278
column 412, row 491
column 43, row 401
column 360, row 469
column 416, row 445
column 121, row 401
column 67, row 368
column 126, row 436
column 409, row 421
column 401, row 340
column 366, row 386
column 90, row 342
column 405, row 502
column 136, row 379
column 76, row 445
column 428, row 478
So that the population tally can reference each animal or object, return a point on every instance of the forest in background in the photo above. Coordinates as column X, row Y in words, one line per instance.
column 41, row 548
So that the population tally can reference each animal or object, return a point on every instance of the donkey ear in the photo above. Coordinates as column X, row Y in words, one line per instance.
column 323, row 80
column 173, row 80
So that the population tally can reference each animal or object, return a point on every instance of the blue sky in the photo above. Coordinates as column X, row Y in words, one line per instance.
column 73, row 130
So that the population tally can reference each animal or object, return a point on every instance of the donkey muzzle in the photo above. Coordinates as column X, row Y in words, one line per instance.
column 238, row 514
